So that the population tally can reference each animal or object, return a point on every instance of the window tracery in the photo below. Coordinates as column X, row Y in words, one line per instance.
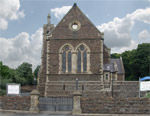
column 74, row 60
column 66, row 59
column 82, row 58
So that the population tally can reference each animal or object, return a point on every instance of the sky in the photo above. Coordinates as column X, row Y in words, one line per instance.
column 125, row 23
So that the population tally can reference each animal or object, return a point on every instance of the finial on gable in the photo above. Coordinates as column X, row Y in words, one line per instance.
column 48, row 18
column 75, row 5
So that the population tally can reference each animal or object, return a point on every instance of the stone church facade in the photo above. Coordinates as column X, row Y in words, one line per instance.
column 75, row 49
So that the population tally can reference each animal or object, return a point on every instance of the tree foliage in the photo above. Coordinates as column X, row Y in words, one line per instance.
column 36, row 71
column 115, row 55
column 6, row 75
column 136, row 62
column 147, row 95
column 23, row 75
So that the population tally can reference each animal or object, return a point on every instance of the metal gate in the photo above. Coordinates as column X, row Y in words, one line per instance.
column 55, row 103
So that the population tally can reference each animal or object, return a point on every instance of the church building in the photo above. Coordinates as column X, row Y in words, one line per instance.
column 73, row 50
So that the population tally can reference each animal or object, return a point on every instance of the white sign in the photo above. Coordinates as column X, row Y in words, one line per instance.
column 13, row 89
column 144, row 85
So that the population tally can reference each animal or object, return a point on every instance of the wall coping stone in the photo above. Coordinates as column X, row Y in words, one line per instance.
column 77, row 93
column 34, row 92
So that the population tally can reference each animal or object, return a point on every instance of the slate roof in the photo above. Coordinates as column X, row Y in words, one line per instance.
column 115, row 65
column 109, row 67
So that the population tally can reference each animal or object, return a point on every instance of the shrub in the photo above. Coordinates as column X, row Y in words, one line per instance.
column 147, row 95
column 2, row 92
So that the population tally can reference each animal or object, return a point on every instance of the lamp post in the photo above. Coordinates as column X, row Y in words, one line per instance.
column 35, row 82
column 77, row 83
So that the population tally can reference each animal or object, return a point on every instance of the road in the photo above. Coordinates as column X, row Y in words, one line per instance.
column 15, row 114
column 47, row 114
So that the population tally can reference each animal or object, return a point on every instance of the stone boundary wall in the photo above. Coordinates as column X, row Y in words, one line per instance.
column 109, row 105
column 15, row 103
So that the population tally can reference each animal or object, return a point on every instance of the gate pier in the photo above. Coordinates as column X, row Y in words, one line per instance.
column 34, row 101
column 76, row 103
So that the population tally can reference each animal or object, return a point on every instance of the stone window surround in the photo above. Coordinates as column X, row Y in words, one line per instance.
column 111, row 76
column 67, row 53
column 74, row 22
column 74, row 60
column 108, row 76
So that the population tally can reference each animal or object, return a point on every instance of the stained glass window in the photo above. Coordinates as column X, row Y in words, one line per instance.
column 79, row 61
column 66, row 59
column 84, row 61
column 82, row 58
column 69, row 61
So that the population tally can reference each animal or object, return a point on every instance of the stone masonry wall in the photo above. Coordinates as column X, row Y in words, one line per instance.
column 87, row 30
column 15, row 103
column 120, row 77
column 55, row 45
column 106, row 55
column 72, row 77
column 94, row 88
column 110, row 105
column 43, row 66
column 42, row 70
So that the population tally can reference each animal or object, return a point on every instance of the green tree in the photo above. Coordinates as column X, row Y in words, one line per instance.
column 136, row 62
column 24, row 74
column 6, row 72
column 140, row 61
column 6, row 75
column 36, row 71
column 127, row 57
column 115, row 55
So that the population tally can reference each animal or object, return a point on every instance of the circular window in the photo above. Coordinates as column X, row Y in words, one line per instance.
column 74, row 25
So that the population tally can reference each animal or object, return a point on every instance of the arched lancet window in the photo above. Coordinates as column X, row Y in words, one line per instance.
column 82, row 58
column 69, row 61
column 66, row 59
column 84, row 61
column 74, row 60
column 79, row 61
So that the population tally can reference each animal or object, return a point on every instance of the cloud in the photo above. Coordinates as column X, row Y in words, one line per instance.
column 117, row 32
column 22, row 48
column 133, row 45
column 141, row 15
column 144, row 35
column 60, row 12
column 3, row 24
column 9, row 10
